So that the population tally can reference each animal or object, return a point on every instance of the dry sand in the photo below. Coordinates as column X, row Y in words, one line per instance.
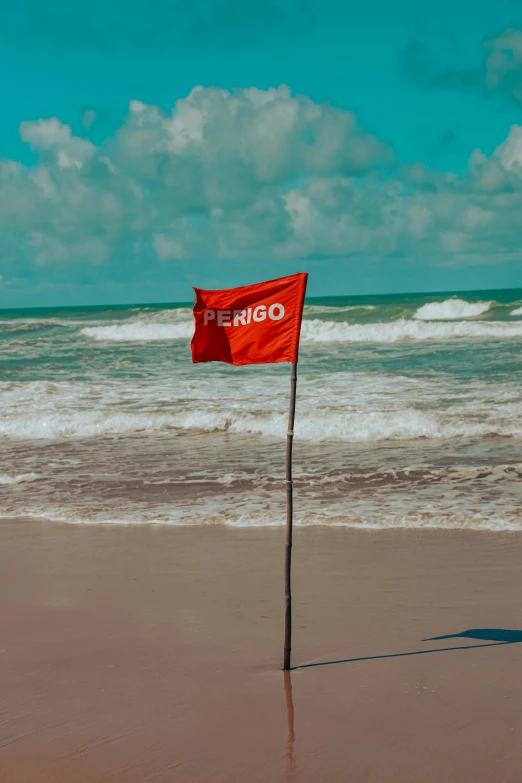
column 134, row 654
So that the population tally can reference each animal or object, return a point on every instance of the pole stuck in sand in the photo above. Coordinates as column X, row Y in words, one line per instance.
column 289, row 521
column 257, row 324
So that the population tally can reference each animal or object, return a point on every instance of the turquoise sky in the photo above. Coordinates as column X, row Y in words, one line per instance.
column 150, row 146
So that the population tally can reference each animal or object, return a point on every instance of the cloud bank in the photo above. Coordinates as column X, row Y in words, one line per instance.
column 246, row 174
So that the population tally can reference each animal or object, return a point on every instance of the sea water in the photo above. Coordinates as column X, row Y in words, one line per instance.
column 409, row 414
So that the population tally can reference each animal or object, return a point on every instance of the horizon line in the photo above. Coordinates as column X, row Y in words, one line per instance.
column 174, row 303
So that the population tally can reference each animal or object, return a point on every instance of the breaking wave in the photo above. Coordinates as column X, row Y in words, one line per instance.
column 403, row 424
column 451, row 309
column 140, row 331
column 328, row 331
column 316, row 331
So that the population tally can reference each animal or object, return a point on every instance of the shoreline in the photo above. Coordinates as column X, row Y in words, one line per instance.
column 364, row 529
column 154, row 653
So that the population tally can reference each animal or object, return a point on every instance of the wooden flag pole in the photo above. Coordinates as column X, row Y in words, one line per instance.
column 289, row 521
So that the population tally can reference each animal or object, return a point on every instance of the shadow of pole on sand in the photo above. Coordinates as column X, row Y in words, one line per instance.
column 497, row 637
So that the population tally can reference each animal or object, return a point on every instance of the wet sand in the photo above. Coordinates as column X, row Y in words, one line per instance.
column 136, row 654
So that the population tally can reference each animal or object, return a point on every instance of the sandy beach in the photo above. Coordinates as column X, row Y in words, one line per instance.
column 153, row 654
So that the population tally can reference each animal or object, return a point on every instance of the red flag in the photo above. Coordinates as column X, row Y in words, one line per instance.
column 252, row 324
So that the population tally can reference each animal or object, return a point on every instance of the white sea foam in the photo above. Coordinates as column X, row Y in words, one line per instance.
column 83, row 424
column 351, row 407
column 329, row 331
column 517, row 311
column 140, row 331
column 317, row 331
column 361, row 426
column 211, row 514
column 22, row 477
column 451, row 309
column 405, row 424
column 385, row 521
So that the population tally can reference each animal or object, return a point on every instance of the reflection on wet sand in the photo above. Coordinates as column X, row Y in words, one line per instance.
column 290, row 740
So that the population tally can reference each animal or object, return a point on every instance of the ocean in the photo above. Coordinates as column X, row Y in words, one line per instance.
column 409, row 414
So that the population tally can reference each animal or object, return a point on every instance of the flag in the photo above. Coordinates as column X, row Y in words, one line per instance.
column 252, row 324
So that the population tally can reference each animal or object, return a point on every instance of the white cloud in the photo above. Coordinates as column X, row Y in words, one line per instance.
column 52, row 136
column 168, row 249
column 510, row 151
column 247, row 174
column 474, row 217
